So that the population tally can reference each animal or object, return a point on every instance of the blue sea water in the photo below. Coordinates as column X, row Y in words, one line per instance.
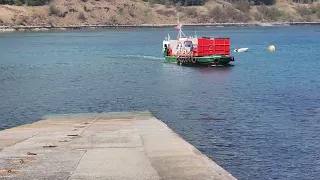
column 258, row 119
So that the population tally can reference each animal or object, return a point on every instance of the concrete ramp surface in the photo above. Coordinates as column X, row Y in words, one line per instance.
column 109, row 146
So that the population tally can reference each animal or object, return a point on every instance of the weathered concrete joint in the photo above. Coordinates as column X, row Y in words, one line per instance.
column 117, row 145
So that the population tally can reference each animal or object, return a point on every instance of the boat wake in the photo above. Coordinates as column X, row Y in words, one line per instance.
column 136, row 57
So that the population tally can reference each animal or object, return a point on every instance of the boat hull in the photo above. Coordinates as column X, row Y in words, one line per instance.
column 200, row 61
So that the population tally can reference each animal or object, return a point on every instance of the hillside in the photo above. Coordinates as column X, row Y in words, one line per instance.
column 76, row 12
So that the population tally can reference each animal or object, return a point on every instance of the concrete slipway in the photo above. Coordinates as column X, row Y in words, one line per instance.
column 110, row 146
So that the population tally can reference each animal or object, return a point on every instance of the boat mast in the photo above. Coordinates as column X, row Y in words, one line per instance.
column 179, row 25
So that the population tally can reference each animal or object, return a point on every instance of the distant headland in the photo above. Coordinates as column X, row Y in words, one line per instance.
column 38, row 15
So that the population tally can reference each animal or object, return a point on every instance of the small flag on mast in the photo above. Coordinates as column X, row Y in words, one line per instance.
column 178, row 27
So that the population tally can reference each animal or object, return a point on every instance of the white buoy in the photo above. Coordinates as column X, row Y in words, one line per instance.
column 272, row 48
column 241, row 50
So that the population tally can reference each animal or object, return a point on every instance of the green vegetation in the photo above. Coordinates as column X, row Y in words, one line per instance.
column 202, row 2
column 151, row 12
column 26, row 2
column 164, row 2
column 241, row 10
column 182, row 2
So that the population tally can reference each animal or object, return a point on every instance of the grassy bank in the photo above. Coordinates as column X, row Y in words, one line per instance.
column 61, row 13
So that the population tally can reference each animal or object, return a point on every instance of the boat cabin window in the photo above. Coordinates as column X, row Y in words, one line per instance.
column 188, row 43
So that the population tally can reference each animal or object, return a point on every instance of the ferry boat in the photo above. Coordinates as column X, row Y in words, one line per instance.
column 194, row 51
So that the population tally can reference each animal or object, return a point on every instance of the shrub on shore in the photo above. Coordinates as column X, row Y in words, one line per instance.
column 81, row 16
column 26, row 2
column 269, row 13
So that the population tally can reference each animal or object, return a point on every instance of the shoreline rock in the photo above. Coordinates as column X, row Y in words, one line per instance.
column 73, row 27
column 6, row 30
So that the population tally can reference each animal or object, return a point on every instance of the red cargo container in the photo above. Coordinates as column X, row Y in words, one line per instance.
column 212, row 46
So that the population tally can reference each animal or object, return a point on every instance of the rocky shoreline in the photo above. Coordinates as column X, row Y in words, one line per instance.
column 74, row 27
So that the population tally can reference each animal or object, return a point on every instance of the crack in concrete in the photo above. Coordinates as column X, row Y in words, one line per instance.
column 85, row 151
column 21, row 140
column 89, row 126
column 152, row 165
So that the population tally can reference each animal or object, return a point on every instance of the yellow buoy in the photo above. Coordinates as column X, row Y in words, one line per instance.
column 272, row 48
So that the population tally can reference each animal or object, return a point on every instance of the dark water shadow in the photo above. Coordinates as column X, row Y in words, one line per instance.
column 212, row 118
column 215, row 69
